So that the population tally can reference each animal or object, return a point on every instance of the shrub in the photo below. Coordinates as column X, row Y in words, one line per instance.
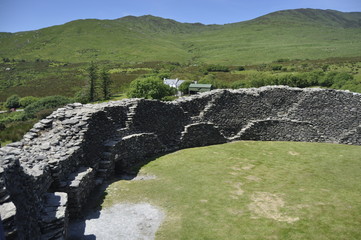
column 276, row 67
column 325, row 67
column 26, row 101
column 44, row 113
column 50, row 102
column 282, row 60
column 328, row 79
column 162, row 75
column 149, row 87
column 313, row 78
column 12, row 117
column 341, row 79
column 353, row 86
column 294, row 80
column 184, row 86
column 208, row 79
column 257, row 80
column 217, row 68
column 212, row 79
column 12, row 102
column 241, row 68
column 238, row 84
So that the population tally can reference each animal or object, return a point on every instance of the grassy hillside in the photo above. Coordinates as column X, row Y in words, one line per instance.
column 294, row 34
column 86, row 40
column 329, row 18
column 252, row 190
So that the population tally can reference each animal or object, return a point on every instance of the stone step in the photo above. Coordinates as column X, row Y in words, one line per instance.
column 109, row 145
column 103, row 173
column 128, row 124
column 106, row 155
column 105, row 164
column 79, row 185
column 99, row 181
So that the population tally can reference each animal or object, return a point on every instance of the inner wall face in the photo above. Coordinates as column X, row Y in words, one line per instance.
column 48, row 176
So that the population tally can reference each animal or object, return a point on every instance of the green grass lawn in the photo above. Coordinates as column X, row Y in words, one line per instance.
column 252, row 190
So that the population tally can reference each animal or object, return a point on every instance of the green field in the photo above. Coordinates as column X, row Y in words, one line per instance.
column 46, row 78
column 252, row 190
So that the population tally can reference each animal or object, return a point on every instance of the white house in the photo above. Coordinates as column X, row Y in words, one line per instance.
column 173, row 83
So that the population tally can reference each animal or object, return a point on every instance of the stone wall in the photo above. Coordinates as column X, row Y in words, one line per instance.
column 48, row 176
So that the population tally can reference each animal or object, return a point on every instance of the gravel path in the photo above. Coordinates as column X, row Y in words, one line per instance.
column 121, row 221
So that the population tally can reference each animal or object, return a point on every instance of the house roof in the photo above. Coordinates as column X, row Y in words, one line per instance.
column 198, row 85
column 173, row 82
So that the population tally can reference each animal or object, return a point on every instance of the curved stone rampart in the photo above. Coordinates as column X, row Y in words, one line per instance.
column 48, row 176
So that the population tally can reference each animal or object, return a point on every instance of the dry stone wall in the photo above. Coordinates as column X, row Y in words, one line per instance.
column 47, row 177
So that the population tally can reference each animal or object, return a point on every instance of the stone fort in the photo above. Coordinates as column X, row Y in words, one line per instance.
column 48, row 176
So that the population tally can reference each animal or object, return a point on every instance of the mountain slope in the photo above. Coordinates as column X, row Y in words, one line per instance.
column 300, row 33
column 292, row 34
column 329, row 18
column 87, row 39
column 158, row 25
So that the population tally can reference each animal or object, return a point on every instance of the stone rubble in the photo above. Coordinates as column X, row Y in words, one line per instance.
column 52, row 171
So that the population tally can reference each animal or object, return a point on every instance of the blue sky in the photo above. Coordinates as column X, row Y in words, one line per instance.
column 23, row 15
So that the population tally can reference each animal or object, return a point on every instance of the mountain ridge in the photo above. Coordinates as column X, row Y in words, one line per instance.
column 326, row 17
column 152, row 17
column 318, row 33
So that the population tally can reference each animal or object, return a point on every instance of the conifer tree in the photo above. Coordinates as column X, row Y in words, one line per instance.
column 92, row 73
column 105, row 84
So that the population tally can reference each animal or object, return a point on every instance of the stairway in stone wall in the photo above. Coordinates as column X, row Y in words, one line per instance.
column 202, row 113
column 293, row 109
column 243, row 130
column 106, row 163
column 130, row 115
